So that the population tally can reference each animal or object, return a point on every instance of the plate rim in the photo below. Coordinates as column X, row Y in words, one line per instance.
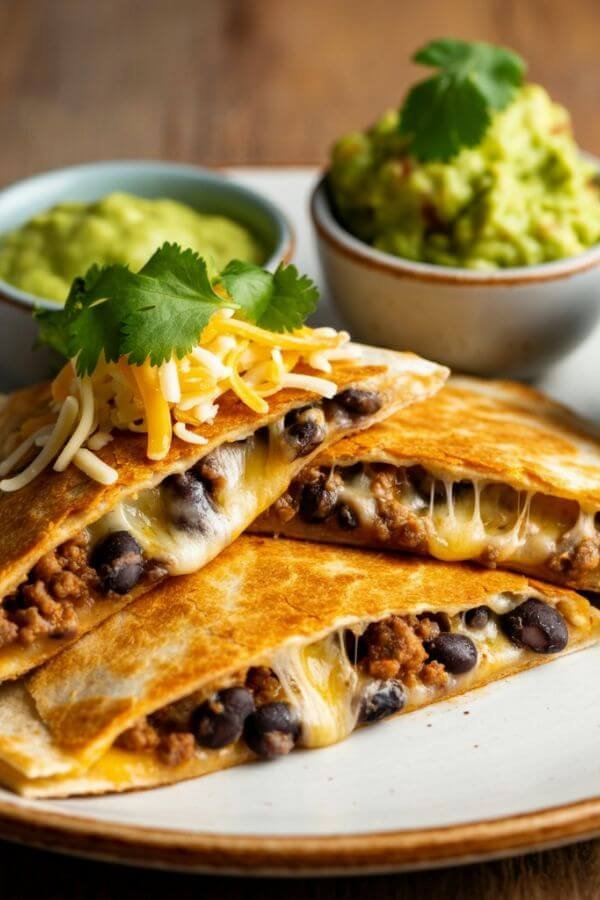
column 298, row 855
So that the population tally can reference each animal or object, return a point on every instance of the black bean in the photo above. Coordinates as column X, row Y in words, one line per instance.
column 119, row 562
column 219, row 721
column 305, row 429
column 272, row 730
column 346, row 518
column 381, row 699
column 478, row 617
column 188, row 502
column 456, row 652
column 317, row 501
column 359, row 403
column 536, row 626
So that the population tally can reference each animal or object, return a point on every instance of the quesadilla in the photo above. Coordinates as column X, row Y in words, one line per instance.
column 275, row 644
column 493, row 472
column 74, row 550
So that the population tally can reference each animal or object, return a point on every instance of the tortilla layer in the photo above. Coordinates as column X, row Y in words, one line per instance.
column 192, row 633
column 57, row 506
column 485, row 433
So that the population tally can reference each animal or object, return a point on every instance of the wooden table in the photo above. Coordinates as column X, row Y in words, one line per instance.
column 259, row 81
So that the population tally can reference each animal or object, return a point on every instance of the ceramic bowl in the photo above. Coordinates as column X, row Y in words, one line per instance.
column 511, row 322
column 199, row 188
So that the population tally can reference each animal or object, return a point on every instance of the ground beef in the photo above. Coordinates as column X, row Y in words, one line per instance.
column 176, row 716
column 286, row 507
column 168, row 731
column 434, row 674
column 396, row 522
column 393, row 648
column 582, row 557
column 47, row 602
column 176, row 748
column 140, row 737
column 264, row 684
column 172, row 747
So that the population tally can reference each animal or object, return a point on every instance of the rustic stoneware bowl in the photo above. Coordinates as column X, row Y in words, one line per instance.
column 512, row 322
column 199, row 188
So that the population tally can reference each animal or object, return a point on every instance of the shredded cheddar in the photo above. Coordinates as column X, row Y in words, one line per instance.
column 171, row 399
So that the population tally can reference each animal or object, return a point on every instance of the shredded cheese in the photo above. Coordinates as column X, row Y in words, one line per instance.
column 181, row 431
column 62, row 429
column 172, row 399
column 99, row 440
column 91, row 465
column 84, row 426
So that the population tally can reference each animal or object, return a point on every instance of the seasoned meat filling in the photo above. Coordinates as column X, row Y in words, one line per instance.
column 395, row 648
column 391, row 657
column 577, row 558
column 47, row 603
column 410, row 509
column 76, row 574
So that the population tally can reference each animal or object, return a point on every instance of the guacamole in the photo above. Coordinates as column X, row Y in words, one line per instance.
column 522, row 196
column 48, row 252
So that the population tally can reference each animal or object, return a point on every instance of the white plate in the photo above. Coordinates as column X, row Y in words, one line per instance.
column 511, row 767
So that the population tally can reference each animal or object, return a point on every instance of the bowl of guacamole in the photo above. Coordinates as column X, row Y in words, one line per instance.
column 465, row 225
column 523, row 196
column 44, row 255
column 54, row 226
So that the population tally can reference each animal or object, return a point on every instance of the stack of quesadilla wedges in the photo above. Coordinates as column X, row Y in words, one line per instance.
column 73, row 551
column 280, row 643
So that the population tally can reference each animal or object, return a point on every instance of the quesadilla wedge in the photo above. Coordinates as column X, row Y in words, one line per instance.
column 275, row 644
column 74, row 550
column 493, row 472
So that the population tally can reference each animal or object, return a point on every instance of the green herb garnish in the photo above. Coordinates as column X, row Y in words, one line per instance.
column 453, row 108
column 162, row 309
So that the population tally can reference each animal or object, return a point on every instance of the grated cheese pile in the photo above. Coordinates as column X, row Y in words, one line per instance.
column 170, row 399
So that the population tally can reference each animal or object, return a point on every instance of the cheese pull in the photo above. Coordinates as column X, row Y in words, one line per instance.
column 275, row 645
column 73, row 551
column 489, row 472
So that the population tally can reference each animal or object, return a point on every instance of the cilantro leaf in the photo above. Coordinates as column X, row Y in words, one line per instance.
column 294, row 297
column 169, row 302
column 93, row 316
column 52, row 329
column 249, row 286
column 163, row 309
column 453, row 108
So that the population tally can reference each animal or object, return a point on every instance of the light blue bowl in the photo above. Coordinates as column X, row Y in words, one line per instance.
column 199, row 188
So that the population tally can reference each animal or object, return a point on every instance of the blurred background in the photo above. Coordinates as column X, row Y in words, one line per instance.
column 247, row 81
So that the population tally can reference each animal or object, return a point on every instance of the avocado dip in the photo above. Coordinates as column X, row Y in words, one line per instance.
column 51, row 249
column 522, row 196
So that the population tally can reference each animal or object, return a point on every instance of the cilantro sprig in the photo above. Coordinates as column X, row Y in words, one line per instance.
column 162, row 309
column 453, row 108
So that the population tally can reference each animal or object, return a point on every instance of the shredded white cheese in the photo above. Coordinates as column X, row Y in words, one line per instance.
column 99, row 440
column 181, row 431
column 176, row 397
column 60, row 433
column 84, row 426
column 91, row 465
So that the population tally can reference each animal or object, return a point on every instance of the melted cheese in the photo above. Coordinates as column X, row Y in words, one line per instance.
column 255, row 472
column 321, row 682
column 483, row 519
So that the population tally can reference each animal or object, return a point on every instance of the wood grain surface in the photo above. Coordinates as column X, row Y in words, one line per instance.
column 261, row 81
